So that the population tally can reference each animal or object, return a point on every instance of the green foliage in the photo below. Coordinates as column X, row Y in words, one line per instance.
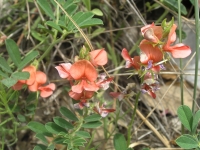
column 13, row 51
column 172, row 4
column 187, row 141
column 67, row 113
column 94, row 124
column 120, row 142
column 82, row 19
column 190, row 121
column 186, row 117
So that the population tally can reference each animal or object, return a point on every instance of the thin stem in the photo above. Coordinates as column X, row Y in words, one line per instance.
column 76, row 25
column 132, row 119
column 181, row 65
column 196, row 6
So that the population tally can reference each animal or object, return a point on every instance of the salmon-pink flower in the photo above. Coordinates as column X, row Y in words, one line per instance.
column 63, row 70
column 32, row 71
column 152, row 33
column 40, row 79
column 84, row 95
column 85, row 85
column 84, row 71
column 98, row 57
column 131, row 62
column 149, row 52
column 179, row 50
column 46, row 91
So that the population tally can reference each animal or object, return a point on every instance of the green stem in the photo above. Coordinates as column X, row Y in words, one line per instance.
column 196, row 6
column 133, row 118
column 181, row 64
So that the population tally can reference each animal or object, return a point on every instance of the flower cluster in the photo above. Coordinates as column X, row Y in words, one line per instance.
column 83, row 76
column 157, row 41
column 36, row 82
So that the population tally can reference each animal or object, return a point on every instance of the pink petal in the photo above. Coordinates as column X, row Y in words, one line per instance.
column 180, row 50
column 98, row 57
column 126, row 55
column 148, row 52
column 63, row 70
column 90, row 86
column 78, row 88
column 83, row 69
column 74, row 95
column 46, row 91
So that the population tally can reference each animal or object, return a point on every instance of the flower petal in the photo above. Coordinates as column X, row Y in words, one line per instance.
column 32, row 71
column 90, row 86
column 46, row 91
column 180, row 50
column 149, row 52
column 98, row 57
column 41, row 77
column 83, row 69
column 78, row 88
column 90, row 72
column 63, row 70
column 126, row 55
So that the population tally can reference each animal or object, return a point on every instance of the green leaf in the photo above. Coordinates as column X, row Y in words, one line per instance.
column 38, row 128
column 79, row 140
column 92, row 124
column 71, row 9
column 119, row 142
column 83, row 134
column 31, row 107
column 193, row 2
column 13, row 51
column 91, row 22
column 37, row 35
column 87, row 4
column 63, row 123
column 84, row 19
column 27, row 59
column 59, row 140
column 31, row 97
column 54, row 128
column 67, row 113
column 44, row 4
column 195, row 122
column 9, row 82
column 4, row 65
column 187, row 141
column 97, row 12
column 41, row 137
column 20, row 75
column 3, row 74
column 185, row 116
column 40, row 147
column 93, row 117
column 172, row 4
column 21, row 118
column 54, row 25
column 97, row 32
column 51, row 147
